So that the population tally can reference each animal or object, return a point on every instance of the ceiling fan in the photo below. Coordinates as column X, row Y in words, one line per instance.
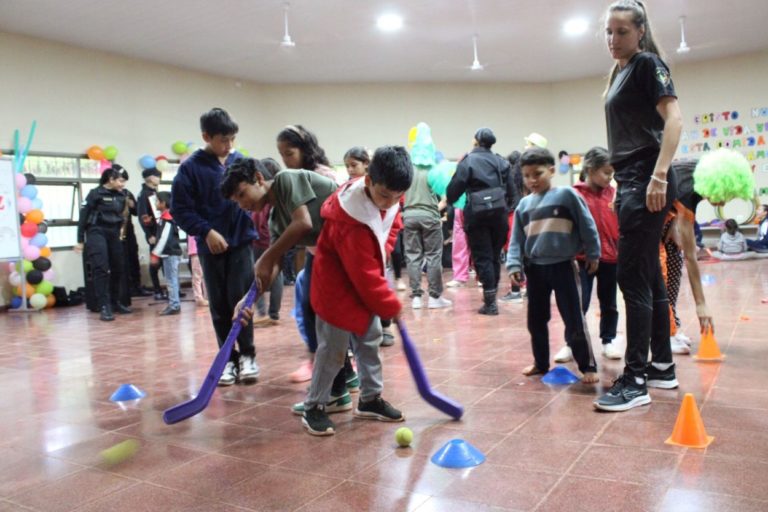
column 683, row 48
column 476, row 66
column 287, row 42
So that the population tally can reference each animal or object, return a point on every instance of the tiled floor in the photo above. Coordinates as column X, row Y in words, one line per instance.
column 546, row 448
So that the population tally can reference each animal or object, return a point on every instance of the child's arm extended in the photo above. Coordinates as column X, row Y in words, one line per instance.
column 588, row 232
column 516, row 244
column 688, row 239
column 268, row 265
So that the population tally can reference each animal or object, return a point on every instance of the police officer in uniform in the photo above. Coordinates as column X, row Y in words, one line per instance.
column 101, row 218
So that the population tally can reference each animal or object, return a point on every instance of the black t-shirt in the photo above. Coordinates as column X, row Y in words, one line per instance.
column 634, row 125
column 686, row 196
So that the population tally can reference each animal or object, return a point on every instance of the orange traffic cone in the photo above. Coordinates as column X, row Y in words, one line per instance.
column 689, row 428
column 708, row 349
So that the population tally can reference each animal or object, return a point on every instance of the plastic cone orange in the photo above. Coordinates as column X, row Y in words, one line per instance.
column 708, row 349
column 689, row 428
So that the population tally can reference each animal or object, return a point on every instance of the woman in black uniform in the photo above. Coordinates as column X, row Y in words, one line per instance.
column 101, row 217
column 484, row 175
column 644, row 125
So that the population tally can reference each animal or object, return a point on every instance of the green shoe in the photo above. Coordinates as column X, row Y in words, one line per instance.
column 335, row 404
column 353, row 382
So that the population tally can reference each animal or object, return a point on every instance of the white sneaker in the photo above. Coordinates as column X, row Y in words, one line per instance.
column 679, row 347
column 564, row 355
column 249, row 370
column 416, row 303
column 229, row 376
column 611, row 352
column 455, row 284
column 682, row 337
column 401, row 286
column 440, row 302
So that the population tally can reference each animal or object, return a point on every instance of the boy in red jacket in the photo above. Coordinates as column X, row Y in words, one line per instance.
column 349, row 292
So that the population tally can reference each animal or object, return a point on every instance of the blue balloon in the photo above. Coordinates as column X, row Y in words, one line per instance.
column 39, row 240
column 147, row 162
column 439, row 156
column 16, row 302
column 37, row 204
column 29, row 191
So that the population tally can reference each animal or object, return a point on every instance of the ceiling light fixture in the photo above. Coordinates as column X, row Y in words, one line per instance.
column 575, row 27
column 287, row 42
column 389, row 22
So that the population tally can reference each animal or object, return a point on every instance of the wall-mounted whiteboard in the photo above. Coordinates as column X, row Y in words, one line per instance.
column 9, row 216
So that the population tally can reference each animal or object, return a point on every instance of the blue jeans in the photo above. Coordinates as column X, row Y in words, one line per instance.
column 171, row 271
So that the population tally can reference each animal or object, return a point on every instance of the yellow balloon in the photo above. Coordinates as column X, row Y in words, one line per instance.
column 412, row 136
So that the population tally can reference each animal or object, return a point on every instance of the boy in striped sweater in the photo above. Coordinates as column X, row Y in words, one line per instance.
column 551, row 226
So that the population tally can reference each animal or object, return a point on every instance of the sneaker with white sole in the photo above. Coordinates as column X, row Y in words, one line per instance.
column 611, row 352
column 416, row 303
column 378, row 409
column 679, row 347
column 625, row 394
column 353, row 382
column 512, row 298
column 401, row 286
column 317, row 423
column 564, row 355
column 455, row 284
column 662, row 379
column 439, row 302
column 335, row 404
column 682, row 337
column 229, row 375
column 249, row 370
column 387, row 337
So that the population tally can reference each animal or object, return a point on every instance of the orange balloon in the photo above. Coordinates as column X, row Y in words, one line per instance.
column 35, row 216
column 30, row 290
column 50, row 301
column 45, row 252
column 575, row 159
column 95, row 153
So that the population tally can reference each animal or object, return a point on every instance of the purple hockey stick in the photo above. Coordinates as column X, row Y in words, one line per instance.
column 197, row 404
column 433, row 398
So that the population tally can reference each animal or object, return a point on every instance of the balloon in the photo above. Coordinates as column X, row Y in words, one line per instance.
column 95, row 153
column 37, row 301
column 35, row 216
column 45, row 288
column 29, row 191
column 37, row 203
column 49, row 275
column 41, row 264
column 24, row 204
column 14, row 278
column 42, row 227
column 50, row 301
column 45, row 252
column 39, row 240
column 16, row 302
column 28, row 229
column 412, row 135
column 565, row 160
column 162, row 165
column 147, row 162
column 11, row 267
column 31, row 252
column 34, row 277
column 160, row 157
column 179, row 147
column 21, row 181
column 110, row 153
column 575, row 159
column 439, row 157
column 29, row 290
column 243, row 152
column 31, row 180
column 24, row 242
column 28, row 266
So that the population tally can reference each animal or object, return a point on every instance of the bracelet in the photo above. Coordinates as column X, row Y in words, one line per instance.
column 664, row 182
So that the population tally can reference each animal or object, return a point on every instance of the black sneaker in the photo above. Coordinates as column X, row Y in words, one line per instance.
column 625, row 394
column 664, row 379
column 317, row 423
column 378, row 409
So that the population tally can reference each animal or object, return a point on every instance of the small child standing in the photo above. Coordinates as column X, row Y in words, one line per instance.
column 198, row 284
column 361, row 222
column 732, row 242
column 551, row 227
column 169, row 250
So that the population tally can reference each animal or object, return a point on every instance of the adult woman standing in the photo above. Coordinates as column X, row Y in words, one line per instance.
column 485, row 176
column 644, row 125
column 101, row 217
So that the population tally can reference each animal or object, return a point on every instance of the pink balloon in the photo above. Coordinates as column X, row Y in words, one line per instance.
column 31, row 252
column 24, row 242
column 11, row 267
column 104, row 165
column 49, row 275
column 21, row 180
column 24, row 204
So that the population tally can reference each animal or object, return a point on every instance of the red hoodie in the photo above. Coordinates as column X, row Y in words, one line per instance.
column 600, row 204
column 348, row 281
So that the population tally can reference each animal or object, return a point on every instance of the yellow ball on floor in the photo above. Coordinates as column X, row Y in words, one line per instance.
column 120, row 452
column 404, row 436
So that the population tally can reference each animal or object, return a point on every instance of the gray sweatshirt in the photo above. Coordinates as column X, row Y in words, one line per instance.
column 552, row 227
column 732, row 244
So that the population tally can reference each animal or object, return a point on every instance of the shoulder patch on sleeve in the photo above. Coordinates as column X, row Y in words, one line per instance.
column 662, row 75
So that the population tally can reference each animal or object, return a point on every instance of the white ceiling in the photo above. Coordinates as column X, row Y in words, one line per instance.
column 336, row 40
